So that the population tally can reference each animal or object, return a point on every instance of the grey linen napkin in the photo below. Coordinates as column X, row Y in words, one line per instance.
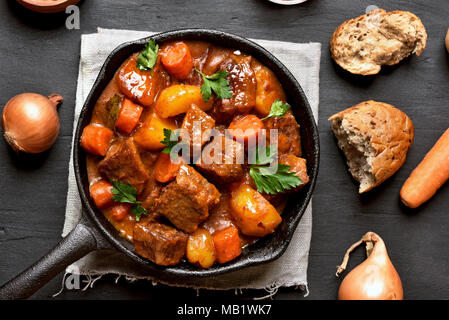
column 303, row 60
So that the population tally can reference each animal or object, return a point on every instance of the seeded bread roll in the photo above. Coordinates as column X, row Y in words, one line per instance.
column 364, row 44
column 375, row 138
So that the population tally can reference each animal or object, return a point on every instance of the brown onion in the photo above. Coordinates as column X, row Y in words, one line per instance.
column 447, row 40
column 375, row 278
column 31, row 122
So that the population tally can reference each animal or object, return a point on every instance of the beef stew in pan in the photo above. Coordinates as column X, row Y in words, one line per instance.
column 192, row 152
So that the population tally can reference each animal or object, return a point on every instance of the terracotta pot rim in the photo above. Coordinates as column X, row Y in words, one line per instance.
column 46, row 6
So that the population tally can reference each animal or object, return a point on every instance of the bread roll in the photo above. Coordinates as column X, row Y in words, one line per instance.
column 364, row 44
column 375, row 138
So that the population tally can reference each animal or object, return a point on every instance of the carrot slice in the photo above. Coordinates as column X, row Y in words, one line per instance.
column 128, row 117
column 101, row 193
column 227, row 244
column 96, row 139
column 120, row 211
column 429, row 175
column 246, row 127
column 177, row 60
column 164, row 169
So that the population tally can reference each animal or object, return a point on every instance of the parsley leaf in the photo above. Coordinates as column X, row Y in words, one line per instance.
column 216, row 83
column 278, row 109
column 170, row 140
column 268, row 181
column 147, row 58
column 126, row 193
column 138, row 211
column 263, row 158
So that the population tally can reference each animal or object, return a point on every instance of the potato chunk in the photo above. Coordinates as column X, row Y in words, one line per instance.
column 254, row 215
column 268, row 90
column 201, row 249
column 151, row 133
column 178, row 99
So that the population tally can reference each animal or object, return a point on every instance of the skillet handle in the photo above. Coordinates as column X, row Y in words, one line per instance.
column 74, row 246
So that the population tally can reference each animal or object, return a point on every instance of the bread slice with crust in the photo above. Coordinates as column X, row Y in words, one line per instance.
column 375, row 138
column 364, row 44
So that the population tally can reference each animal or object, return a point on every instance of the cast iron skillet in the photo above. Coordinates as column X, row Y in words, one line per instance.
column 95, row 232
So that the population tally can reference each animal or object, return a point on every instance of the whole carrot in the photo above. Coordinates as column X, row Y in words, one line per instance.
column 429, row 175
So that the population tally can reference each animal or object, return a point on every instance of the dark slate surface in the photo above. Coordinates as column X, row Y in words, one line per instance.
column 39, row 54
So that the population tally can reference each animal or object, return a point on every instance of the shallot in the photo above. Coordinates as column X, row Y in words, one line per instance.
column 373, row 279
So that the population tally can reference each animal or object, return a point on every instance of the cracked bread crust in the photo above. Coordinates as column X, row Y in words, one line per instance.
column 364, row 44
column 375, row 138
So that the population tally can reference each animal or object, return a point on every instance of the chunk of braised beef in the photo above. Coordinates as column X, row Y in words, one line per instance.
column 150, row 193
column 242, row 82
column 197, row 128
column 299, row 167
column 123, row 163
column 162, row 244
column 289, row 140
column 222, row 160
column 152, row 188
column 148, row 157
column 186, row 201
column 216, row 56
column 223, row 111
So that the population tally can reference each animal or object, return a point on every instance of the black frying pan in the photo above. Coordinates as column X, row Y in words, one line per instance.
column 95, row 232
